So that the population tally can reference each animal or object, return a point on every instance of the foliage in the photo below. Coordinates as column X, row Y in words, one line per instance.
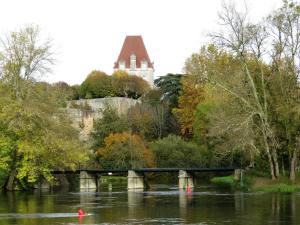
column 150, row 121
column 110, row 123
column 171, row 86
column 226, row 181
column 44, row 139
column 163, row 120
column 63, row 91
column 75, row 92
column 283, row 185
column 152, row 97
column 256, row 112
column 7, row 146
column 130, row 86
column 191, row 96
column 96, row 85
column 173, row 151
column 100, row 85
column 125, row 151
column 284, row 188
column 36, row 135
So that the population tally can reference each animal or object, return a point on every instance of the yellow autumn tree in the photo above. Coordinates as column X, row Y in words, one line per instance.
column 126, row 85
column 124, row 151
column 192, row 94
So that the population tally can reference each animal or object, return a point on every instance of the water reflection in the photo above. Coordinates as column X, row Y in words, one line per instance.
column 160, row 205
column 239, row 202
column 185, row 199
column 135, row 200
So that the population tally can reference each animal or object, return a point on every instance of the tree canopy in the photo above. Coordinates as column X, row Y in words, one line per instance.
column 36, row 135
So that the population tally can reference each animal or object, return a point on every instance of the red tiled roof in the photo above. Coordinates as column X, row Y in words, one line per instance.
column 133, row 45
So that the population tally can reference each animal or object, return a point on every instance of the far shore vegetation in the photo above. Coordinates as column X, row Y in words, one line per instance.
column 236, row 104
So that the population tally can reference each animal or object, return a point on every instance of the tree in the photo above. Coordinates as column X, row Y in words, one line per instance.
column 110, row 123
column 97, row 85
column 63, row 91
column 284, row 27
column 38, row 136
column 7, row 146
column 129, row 86
column 171, row 86
column 261, row 98
column 214, row 120
column 191, row 95
column 173, row 151
column 125, row 151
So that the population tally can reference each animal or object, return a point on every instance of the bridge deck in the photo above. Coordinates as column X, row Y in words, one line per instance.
column 146, row 170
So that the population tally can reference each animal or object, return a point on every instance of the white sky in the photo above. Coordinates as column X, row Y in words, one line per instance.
column 88, row 34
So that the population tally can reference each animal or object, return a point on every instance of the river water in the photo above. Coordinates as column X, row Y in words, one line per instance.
column 162, row 204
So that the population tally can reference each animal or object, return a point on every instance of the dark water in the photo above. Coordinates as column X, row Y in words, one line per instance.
column 161, row 205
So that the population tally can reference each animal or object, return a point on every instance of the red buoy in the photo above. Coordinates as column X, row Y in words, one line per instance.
column 188, row 190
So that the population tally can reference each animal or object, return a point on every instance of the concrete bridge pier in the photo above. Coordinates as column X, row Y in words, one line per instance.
column 185, row 180
column 88, row 181
column 238, row 174
column 135, row 180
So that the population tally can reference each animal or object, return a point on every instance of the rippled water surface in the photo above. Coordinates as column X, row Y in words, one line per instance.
column 160, row 205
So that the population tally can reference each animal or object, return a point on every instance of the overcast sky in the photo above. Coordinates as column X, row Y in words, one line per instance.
column 88, row 34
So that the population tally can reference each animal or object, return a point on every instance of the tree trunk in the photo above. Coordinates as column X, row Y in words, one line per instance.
column 276, row 164
column 293, row 166
column 10, row 182
column 270, row 158
column 9, row 186
column 271, row 167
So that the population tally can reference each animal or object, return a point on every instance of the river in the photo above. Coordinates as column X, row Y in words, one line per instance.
column 162, row 204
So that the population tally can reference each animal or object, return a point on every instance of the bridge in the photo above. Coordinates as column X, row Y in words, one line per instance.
column 89, row 178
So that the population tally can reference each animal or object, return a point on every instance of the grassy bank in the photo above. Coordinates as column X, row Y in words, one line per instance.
column 113, row 179
column 228, row 182
column 283, row 185
column 257, row 183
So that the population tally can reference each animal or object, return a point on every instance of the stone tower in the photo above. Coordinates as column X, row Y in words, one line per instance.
column 134, row 59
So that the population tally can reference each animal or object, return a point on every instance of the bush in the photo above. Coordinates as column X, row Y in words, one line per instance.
column 173, row 151
column 226, row 181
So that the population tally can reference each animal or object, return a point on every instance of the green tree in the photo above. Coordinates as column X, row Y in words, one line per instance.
column 63, row 91
column 110, row 123
column 173, row 151
column 171, row 86
column 38, row 136
column 97, row 85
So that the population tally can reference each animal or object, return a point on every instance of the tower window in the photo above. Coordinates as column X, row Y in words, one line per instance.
column 133, row 62
column 122, row 65
column 144, row 64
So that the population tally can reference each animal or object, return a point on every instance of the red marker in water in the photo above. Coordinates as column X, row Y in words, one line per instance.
column 81, row 212
column 188, row 190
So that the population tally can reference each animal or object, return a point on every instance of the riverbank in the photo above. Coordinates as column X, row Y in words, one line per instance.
column 257, row 184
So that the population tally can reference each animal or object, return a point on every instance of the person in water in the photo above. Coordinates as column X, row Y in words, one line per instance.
column 81, row 212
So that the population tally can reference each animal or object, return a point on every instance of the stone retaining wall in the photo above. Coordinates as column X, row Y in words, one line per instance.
column 85, row 111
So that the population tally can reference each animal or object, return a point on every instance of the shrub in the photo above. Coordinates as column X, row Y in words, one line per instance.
column 173, row 151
